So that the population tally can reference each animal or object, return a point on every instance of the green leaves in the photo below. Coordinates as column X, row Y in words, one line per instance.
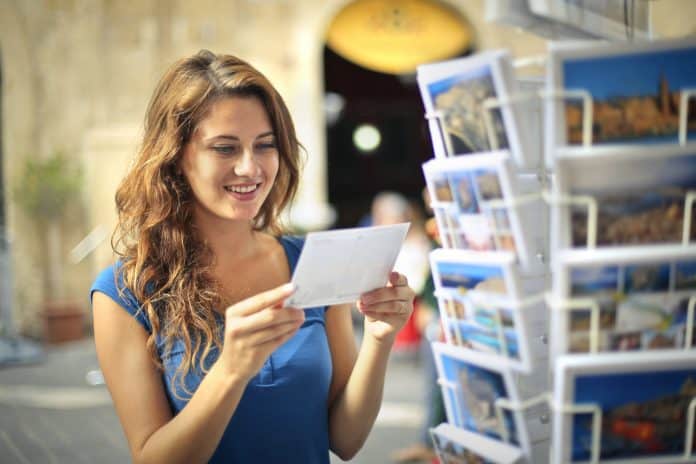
column 47, row 186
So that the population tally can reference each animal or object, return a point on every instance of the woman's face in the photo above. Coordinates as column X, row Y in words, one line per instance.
column 231, row 160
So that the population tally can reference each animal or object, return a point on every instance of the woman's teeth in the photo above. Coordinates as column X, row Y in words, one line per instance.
column 241, row 188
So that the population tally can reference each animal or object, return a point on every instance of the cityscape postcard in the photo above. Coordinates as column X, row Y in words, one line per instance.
column 629, row 407
column 642, row 297
column 642, row 195
column 636, row 91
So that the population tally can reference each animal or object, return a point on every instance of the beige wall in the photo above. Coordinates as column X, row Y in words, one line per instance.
column 77, row 75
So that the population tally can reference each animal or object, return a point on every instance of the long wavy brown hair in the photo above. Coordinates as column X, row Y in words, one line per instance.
column 164, row 263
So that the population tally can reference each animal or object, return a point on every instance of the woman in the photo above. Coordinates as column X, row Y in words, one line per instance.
column 203, row 361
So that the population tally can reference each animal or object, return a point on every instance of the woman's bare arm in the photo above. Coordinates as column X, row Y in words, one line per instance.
column 135, row 384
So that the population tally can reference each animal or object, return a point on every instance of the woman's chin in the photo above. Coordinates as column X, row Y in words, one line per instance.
column 243, row 214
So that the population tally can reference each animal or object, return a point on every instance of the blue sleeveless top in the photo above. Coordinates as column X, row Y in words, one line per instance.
column 283, row 413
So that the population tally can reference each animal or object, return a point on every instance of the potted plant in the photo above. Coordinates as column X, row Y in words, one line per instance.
column 46, row 190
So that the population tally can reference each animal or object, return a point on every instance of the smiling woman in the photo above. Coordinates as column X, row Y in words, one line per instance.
column 202, row 357
column 231, row 161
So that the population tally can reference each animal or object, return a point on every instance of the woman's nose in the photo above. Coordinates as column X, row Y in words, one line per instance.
column 246, row 165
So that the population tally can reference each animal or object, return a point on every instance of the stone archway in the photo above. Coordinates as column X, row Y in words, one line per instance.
column 305, row 98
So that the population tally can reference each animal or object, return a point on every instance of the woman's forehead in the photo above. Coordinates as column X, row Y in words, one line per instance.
column 235, row 116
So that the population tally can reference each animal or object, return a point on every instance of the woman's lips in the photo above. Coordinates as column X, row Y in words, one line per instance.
column 244, row 192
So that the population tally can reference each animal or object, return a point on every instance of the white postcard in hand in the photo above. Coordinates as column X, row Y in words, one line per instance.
column 337, row 266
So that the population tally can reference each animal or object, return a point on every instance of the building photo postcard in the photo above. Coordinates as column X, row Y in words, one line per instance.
column 454, row 93
column 643, row 196
column 642, row 299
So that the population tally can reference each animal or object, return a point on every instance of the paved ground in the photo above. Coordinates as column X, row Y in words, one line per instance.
column 50, row 414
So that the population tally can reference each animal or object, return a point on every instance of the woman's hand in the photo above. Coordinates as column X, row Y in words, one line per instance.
column 387, row 309
column 254, row 328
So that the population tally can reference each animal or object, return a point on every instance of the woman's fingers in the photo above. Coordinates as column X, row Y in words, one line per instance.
column 267, row 299
column 397, row 284
column 239, row 326
column 386, row 298
column 274, row 333
column 397, row 280
column 387, row 307
column 396, row 298
column 386, row 294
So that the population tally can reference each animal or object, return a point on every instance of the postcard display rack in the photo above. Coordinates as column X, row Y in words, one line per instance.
column 566, row 277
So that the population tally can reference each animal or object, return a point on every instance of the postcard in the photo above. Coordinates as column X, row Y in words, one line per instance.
column 471, row 200
column 459, row 271
column 471, row 385
column 454, row 445
column 478, row 296
column 635, row 89
column 456, row 90
column 641, row 295
column 337, row 266
column 643, row 402
column 642, row 195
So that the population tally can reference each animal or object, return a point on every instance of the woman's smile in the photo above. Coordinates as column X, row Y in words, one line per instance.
column 243, row 192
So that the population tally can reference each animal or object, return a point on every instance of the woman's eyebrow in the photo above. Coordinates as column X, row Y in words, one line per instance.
column 265, row 134
column 234, row 138
column 222, row 136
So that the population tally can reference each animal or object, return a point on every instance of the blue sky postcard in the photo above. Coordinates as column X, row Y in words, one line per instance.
column 479, row 300
column 642, row 299
column 461, row 271
column 642, row 195
column 643, row 402
column 471, row 384
column 635, row 88
column 455, row 445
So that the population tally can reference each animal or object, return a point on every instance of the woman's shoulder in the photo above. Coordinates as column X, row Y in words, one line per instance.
column 294, row 241
column 110, row 282
column 292, row 245
column 108, row 277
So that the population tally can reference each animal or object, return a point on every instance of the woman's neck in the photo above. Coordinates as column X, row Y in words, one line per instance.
column 245, row 261
column 231, row 242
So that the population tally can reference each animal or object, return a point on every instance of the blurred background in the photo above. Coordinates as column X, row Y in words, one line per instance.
column 75, row 79
column 77, row 75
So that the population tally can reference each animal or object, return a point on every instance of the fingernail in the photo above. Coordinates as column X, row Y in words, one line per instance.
column 289, row 287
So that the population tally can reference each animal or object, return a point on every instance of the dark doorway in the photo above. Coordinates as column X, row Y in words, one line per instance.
column 393, row 105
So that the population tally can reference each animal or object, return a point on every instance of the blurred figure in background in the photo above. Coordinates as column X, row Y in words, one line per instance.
column 413, row 262
column 427, row 321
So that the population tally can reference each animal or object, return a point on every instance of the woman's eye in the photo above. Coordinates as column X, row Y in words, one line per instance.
column 225, row 149
column 266, row 146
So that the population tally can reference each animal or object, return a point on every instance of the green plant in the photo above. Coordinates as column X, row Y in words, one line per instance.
column 45, row 191
column 48, row 186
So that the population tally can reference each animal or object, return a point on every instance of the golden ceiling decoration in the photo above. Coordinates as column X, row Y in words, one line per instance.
column 395, row 36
